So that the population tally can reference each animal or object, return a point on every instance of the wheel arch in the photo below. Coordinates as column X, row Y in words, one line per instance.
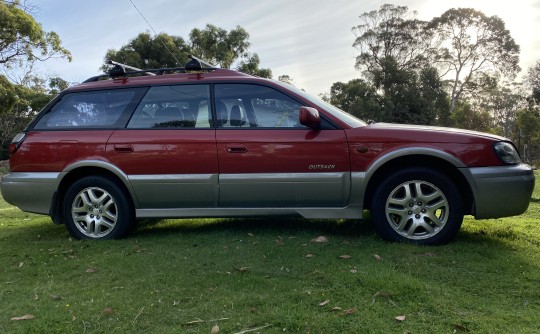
column 86, row 168
column 425, row 158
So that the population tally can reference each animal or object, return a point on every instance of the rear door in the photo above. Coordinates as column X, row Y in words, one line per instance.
column 268, row 159
column 168, row 149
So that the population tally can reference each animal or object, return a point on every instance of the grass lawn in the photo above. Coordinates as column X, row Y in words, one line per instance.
column 186, row 276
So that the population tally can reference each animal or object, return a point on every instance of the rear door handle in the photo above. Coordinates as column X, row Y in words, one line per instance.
column 123, row 148
column 236, row 148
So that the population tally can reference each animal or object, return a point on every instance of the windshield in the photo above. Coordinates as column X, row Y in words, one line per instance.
column 336, row 112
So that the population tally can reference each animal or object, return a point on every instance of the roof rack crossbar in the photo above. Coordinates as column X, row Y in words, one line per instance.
column 119, row 69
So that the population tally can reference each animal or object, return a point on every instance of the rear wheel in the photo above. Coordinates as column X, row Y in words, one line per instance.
column 96, row 207
column 417, row 205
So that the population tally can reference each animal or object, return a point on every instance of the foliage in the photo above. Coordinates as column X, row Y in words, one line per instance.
column 218, row 46
column 186, row 276
column 147, row 51
column 528, row 123
column 23, row 39
column 532, row 79
column 213, row 44
column 466, row 117
column 406, row 59
column 390, row 32
column 251, row 66
column 395, row 95
column 358, row 98
column 286, row 79
column 20, row 103
column 473, row 43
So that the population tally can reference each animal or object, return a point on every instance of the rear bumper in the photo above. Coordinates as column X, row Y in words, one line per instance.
column 31, row 192
column 501, row 191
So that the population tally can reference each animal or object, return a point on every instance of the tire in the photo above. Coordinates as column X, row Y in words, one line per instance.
column 417, row 205
column 97, row 207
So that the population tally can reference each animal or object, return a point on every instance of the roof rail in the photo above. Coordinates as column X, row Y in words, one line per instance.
column 120, row 70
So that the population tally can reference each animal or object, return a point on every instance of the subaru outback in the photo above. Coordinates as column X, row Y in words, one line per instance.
column 200, row 141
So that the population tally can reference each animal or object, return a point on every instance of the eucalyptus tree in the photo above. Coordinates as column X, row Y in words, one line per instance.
column 391, row 32
column 472, row 44
column 23, row 39
column 219, row 46
column 216, row 45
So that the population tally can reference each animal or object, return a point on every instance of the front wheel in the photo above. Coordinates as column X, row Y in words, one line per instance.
column 96, row 207
column 417, row 205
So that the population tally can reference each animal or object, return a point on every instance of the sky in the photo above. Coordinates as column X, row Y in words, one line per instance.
column 309, row 40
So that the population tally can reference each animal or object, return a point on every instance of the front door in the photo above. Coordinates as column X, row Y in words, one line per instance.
column 268, row 159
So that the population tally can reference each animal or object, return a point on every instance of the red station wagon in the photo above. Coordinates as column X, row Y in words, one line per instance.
column 219, row 143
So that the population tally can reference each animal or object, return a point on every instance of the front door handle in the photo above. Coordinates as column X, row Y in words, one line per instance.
column 123, row 148
column 236, row 148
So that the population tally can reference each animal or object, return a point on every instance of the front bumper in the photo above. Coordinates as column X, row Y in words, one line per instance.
column 31, row 192
column 501, row 191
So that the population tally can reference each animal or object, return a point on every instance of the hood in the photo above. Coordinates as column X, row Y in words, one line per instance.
column 423, row 133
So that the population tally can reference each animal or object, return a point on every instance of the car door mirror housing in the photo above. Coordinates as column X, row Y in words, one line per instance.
column 310, row 117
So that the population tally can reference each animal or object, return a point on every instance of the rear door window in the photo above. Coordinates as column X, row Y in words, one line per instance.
column 98, row 109
column 181, row 106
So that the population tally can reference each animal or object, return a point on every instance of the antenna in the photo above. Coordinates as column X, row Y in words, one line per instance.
column 154, row 31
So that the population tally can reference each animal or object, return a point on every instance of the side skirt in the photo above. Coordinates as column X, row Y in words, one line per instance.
column 348, row 212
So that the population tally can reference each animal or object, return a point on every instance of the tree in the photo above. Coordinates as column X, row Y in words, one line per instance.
column 391, row 32
column 23, row 39
column 286, row 79
column 218, row 46
column 532, row 80
column 473, row 44
column 528, row 125
column 502, row 101
column 411, row 97
column 250, row 65
column 18, row 104
column 146, row 51
column 466, row 117
column 213, row 44
column 358, row 98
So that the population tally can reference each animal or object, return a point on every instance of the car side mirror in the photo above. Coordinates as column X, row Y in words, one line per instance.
column 310, row 117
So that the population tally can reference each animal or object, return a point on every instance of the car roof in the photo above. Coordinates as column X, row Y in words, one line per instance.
column 149, row 80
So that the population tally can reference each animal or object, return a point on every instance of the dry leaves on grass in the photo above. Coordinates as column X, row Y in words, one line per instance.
column 400, row 318
column 108, row 311
column 91, row 270
column 324, row 303
column 56, row 298
column 319, row 239
column 350, row 311
column 24, row 317
column 201, row 321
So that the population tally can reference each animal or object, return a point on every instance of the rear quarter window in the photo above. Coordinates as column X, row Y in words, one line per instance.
column 97, row 109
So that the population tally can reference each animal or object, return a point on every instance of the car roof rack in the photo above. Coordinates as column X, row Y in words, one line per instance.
column 195, row 65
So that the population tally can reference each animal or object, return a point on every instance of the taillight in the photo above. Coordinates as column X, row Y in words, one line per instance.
column 16, row 142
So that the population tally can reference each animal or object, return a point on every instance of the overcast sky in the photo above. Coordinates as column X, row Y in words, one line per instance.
column 310, row 40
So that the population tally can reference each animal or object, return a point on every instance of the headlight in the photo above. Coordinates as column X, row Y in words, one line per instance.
column 507, row 153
